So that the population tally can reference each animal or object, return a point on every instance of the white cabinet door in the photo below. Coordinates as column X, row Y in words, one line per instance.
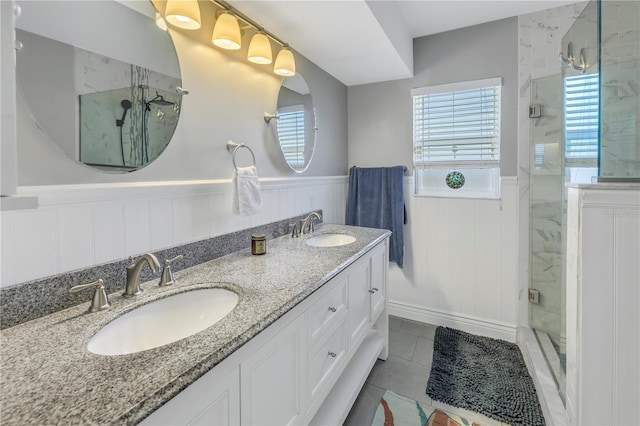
column 214, row 399
column 358, row 310
column 378, row 281
column 272, row 378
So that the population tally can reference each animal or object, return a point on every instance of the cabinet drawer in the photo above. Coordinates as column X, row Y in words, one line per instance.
column 325, row 357
column 326, row 312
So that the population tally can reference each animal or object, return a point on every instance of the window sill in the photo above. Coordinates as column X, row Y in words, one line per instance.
column 459, row 197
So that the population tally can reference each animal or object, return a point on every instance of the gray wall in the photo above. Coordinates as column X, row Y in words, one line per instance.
column 227, row 101
column 380, row 114
column 53, row 84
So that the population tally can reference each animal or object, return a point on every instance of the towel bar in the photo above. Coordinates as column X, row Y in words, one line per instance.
column 233, row 148
column 403, row 167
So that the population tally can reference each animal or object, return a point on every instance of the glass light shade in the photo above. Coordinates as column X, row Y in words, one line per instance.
column 183, row 14
column 226, row 32
column 260, row 49
column 160, row 22
column 285, row 63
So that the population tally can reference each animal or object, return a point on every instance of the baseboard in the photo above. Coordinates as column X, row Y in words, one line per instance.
column 467, row 323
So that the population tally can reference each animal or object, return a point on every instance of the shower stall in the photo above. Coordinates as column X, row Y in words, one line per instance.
column 126, row 128
column 584, row 129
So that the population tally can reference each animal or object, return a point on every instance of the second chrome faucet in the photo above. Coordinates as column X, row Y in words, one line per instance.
column 134, row 268
column 307, row 221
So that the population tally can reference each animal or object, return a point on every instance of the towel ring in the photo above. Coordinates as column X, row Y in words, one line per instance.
column 233, row 147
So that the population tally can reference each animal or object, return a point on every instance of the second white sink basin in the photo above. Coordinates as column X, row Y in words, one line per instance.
column 330, row 240
column 163, row 321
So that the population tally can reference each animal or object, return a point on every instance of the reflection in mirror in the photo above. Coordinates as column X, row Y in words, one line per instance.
column 102, row 88
column 296, row 123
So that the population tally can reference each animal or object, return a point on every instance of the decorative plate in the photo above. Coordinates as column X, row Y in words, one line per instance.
column 454, row 180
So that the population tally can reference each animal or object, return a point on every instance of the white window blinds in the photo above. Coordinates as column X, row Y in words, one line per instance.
column 291, row 134
column 457, row 124
column 581, row 99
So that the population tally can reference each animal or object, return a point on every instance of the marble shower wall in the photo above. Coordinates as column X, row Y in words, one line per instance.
column 620, row 74
column 540, row 37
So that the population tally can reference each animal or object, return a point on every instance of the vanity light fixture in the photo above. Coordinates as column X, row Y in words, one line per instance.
column 183, row 14
column 226, row 32
column 260, row 46
column 285, row 63
column 260, row 49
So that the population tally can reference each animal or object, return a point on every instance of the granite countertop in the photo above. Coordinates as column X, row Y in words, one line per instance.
column 49, row 377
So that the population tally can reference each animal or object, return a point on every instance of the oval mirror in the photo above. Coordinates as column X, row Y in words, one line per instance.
column 296, row 123
column 100, row 79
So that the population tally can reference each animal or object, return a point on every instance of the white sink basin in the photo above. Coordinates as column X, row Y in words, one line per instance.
column 163, row 321
column 330, row 240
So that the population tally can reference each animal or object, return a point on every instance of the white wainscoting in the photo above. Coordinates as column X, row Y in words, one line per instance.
column 603, row 341
column 76, row 226
column 460, row 263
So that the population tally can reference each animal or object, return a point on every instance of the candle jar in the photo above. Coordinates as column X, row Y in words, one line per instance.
column 258, row 244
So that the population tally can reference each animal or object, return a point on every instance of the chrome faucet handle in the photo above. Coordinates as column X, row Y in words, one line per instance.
column 100, row 300
column 312, row 228
column 294, row 231
column 166, row 278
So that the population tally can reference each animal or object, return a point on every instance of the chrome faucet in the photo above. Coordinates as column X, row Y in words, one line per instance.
column 309, row 220
column 133, row 273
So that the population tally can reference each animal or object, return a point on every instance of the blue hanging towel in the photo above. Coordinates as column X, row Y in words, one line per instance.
column 376, row 200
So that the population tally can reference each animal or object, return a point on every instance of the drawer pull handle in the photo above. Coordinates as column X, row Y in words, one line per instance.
column 373, row 290
column 332, row 309
column 332, row 354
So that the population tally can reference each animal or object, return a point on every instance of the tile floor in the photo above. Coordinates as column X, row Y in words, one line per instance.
column 405, row 372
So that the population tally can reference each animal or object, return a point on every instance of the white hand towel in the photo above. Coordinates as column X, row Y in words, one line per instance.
column 246, row 191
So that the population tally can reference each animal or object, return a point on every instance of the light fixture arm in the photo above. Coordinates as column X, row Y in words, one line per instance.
column 226, row 6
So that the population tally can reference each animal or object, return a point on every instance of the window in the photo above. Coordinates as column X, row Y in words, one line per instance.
column 291, row 134
column 456, row 128
column 581, row 120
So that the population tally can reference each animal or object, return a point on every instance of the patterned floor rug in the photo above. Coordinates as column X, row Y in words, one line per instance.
column 485, row 375
column 396, row 410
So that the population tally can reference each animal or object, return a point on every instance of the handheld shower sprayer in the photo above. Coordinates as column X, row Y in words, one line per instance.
column 126, row 105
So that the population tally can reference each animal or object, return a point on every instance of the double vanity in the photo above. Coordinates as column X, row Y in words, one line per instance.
column 293, row 337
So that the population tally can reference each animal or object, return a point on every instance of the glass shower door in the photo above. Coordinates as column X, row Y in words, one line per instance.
column 547, row 220
column 564, row 148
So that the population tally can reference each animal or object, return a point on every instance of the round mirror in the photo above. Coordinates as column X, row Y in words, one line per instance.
column 296, row 123
column 100, row 79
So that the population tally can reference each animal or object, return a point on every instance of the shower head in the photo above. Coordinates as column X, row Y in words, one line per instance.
column 126, row 105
